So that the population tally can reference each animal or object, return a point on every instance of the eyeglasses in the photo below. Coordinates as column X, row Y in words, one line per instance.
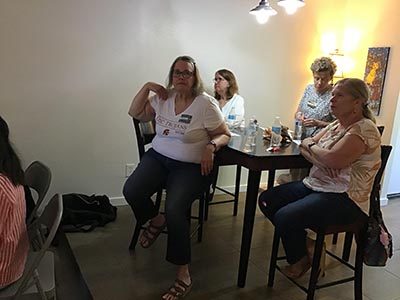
column 215, row 80
column 184, row 74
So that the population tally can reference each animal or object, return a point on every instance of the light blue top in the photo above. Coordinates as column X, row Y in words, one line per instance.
column 236, row 104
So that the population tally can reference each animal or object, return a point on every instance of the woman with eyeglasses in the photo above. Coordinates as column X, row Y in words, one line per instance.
column 189, row 130
column 14, row 243
column 226, row 92
column 313, row 109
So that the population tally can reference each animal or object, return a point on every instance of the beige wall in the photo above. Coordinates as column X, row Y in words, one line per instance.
column 69, row 69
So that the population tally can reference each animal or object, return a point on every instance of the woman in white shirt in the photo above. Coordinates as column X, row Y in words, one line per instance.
column 189, row 129
column 226, row 92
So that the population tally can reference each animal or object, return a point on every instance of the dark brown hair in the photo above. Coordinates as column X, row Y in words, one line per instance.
column 10, row 164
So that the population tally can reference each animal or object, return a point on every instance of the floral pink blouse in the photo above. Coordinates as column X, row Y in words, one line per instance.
column 358, row 178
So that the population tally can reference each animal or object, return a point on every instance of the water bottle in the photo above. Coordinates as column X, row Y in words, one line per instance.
column 242, row 125
column 232, row 118
column 253, row 126
column 276, row 132
column 250, row 127
column 298, row 125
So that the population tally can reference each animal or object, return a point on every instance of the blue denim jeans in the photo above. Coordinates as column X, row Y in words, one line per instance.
column 292, row 207
column 183, row 183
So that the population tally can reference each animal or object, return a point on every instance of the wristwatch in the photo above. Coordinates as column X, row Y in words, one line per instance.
column 311, row 144
column 212, row 142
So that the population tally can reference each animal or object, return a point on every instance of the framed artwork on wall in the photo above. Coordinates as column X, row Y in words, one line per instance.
column 374, row 76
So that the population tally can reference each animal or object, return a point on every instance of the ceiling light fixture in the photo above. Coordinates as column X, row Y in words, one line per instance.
column 291, row 6
column 263, row 10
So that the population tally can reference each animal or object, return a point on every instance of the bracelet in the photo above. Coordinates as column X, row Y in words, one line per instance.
column 212, row 142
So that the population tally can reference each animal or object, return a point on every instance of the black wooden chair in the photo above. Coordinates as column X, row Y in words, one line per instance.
column 145, row 132
column 357, row 229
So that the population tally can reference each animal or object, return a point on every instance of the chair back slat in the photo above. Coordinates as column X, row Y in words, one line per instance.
column 38, row 178
column 41, row 233
column 381, row 129
column 145, row 132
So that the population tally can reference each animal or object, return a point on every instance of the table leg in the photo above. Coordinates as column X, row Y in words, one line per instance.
column 253, row 183
column 271, row 178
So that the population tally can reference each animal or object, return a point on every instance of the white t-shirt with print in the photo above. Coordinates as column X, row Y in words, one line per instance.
column 184, row 136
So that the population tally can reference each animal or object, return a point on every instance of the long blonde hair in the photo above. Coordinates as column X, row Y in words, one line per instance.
column 359, row 90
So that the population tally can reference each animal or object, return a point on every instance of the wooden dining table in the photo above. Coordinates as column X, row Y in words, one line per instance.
column 254, row 155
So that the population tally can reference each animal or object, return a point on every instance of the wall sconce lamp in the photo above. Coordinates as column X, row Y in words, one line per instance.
column 338, row 58
column 263, row 10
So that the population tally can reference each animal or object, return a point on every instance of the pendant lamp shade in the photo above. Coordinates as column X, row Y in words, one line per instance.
column 291, row 6
column 263, row 11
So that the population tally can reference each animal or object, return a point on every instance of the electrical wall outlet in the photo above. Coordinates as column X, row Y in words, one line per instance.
column 129, row 168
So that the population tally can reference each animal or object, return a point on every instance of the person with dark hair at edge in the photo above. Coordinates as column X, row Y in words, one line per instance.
column 14, row 243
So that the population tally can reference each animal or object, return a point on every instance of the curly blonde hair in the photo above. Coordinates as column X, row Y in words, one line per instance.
column 323, row 64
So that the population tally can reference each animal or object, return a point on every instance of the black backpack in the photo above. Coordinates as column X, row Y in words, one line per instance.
column 84, row 213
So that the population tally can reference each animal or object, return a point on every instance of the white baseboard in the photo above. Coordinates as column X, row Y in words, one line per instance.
column 384, row 201
column 118, row 201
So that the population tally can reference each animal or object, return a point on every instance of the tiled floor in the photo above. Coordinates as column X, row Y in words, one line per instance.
column 112, row 272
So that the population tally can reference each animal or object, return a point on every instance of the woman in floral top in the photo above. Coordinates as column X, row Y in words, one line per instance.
column 313, row 109
column 345, row 157
column 314, row 105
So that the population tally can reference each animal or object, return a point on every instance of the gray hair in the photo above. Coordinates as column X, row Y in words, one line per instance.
column 324, row 64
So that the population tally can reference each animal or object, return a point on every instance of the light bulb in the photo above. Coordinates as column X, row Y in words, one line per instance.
column 262, row 17
column 291, row 6
column 290, row 9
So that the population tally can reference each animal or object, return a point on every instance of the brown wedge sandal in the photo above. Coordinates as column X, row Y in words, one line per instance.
column 151, row 233
column 178, row 290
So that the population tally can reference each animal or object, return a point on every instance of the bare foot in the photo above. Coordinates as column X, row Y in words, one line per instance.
column 298, row 269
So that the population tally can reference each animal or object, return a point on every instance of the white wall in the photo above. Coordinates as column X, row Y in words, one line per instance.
column 69, row 69
column 391, row 184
